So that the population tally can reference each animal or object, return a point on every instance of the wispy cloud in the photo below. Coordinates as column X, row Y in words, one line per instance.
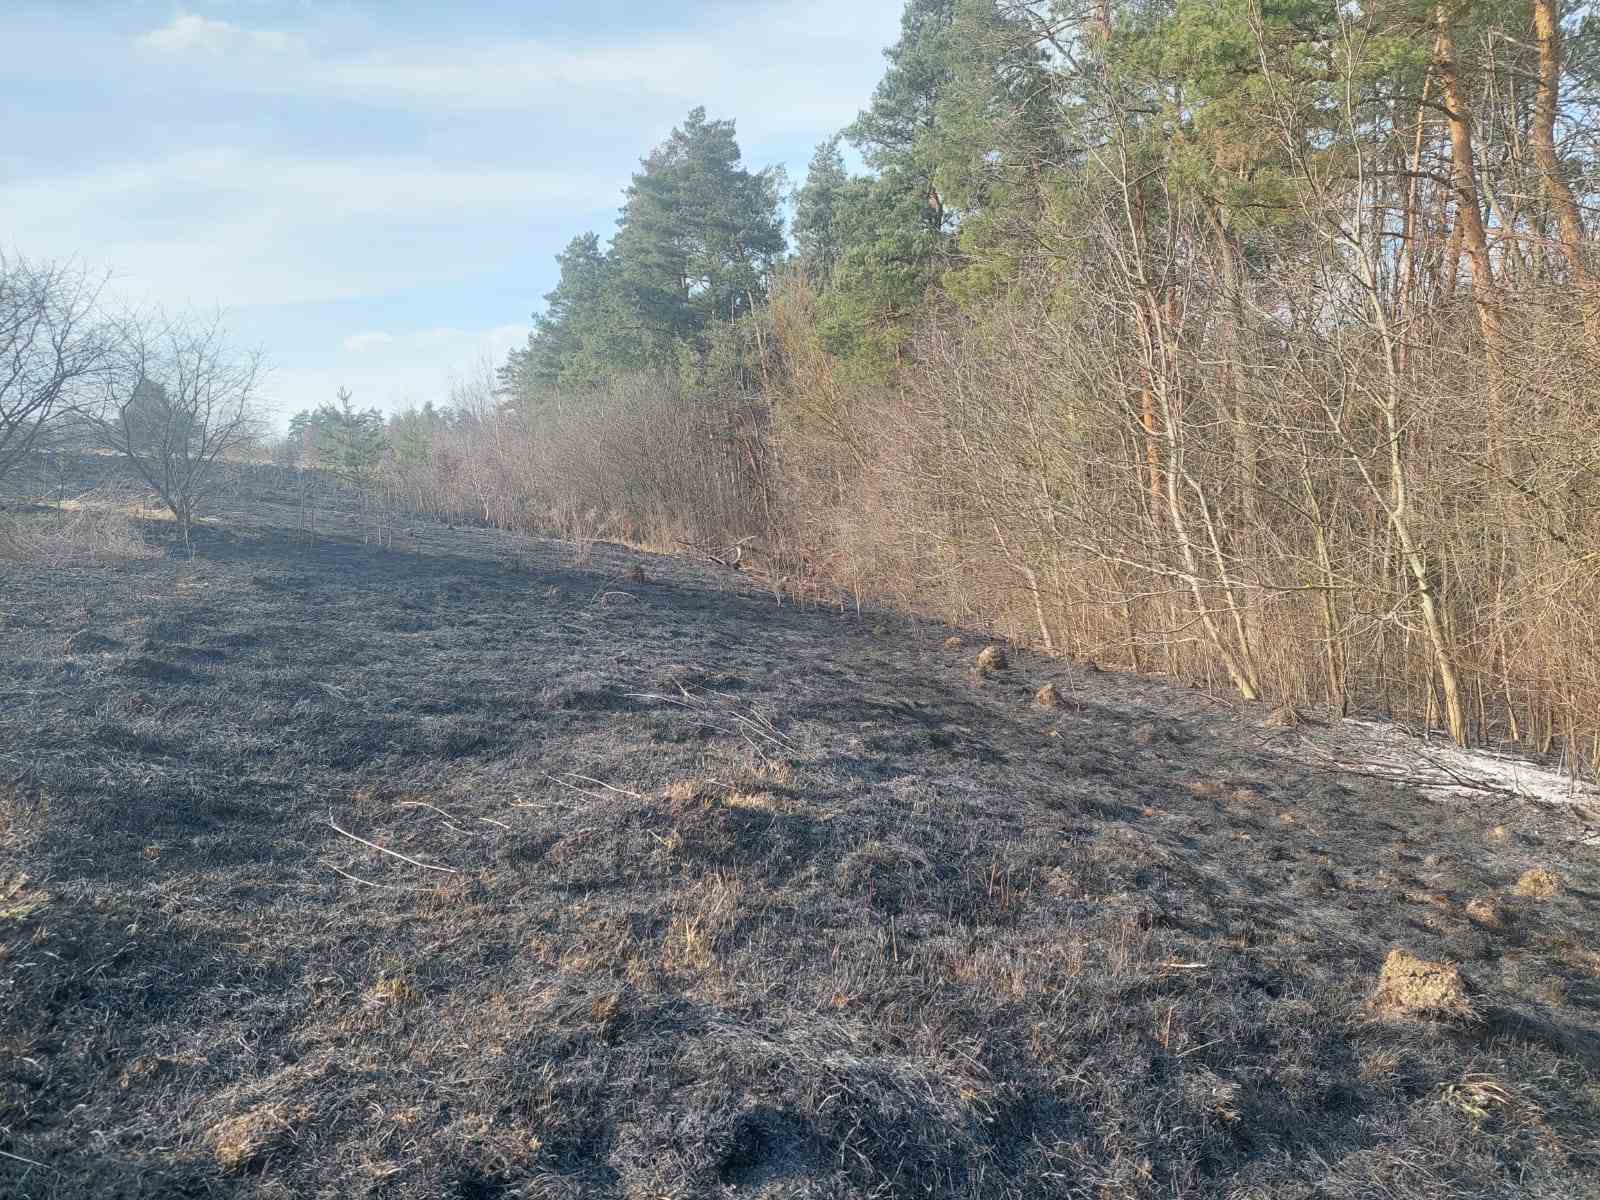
column 829, row 40
column 202, row 225
column 370, row 189
column 191, row 33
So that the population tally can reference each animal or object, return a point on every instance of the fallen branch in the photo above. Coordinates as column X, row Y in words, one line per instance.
column 597, row 783
column 388, row 887
column 32, row 1162
column 391, row 853
column 432, row 808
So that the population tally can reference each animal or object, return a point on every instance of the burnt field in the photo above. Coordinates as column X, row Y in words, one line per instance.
column 683, row 893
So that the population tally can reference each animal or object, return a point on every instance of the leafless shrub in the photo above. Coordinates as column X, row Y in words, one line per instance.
column 54, row 350
column 181, row 401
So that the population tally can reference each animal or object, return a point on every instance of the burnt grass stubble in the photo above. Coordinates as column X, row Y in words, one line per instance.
column 741, row 900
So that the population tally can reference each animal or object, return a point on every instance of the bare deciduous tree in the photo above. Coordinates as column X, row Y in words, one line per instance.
column 53, row 348
column 183, row 399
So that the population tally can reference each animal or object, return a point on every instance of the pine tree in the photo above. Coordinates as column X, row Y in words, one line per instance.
column 698, row 236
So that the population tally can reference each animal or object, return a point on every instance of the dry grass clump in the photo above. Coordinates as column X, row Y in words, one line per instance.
column 762, row 801
column 1499, row 835
column 1409, row 986
column 89, row 531
column 1539, row 884
column 1049, row 696
column 952, row 643
column 887, row 874
column 1285, row 716
column 87, row 641
column 392, row 991
column 706, row 793
column 1488, row 912
column 1477, row 1097
column 17, row 900
column 246, row 1141
column 688, row 791
column 707, row 911
column 776, row 770
column 992, row 659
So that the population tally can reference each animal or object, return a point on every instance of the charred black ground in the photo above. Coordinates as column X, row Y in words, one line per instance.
column 731, row 899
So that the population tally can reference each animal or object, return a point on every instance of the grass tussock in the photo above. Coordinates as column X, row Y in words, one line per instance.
column 246, row 1141
column 1409, row 986
column 992, row 659
column 91, row 531
column 1489, row 912
column 1539, row 883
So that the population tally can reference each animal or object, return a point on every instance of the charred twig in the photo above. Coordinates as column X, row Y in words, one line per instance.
column 32, row 1162
column 597, row 783
column 392, row 853
column 388, row 887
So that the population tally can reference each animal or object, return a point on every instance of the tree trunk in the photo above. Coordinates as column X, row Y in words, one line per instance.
column 1474, row 238
column 1569, row 220
column 1245, row 442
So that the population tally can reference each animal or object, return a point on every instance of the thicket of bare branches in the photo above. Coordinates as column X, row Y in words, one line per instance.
column 54, row 351
column 181, row 400
column 1351, row 457
column 634, row 461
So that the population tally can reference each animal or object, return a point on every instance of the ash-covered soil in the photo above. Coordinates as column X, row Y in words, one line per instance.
column 705, row 896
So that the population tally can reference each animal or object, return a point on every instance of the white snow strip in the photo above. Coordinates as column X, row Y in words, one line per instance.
column 1442, row 771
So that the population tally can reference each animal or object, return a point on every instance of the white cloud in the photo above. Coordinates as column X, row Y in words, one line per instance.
column 189, row 33
column 204, row 226
column 820, row 49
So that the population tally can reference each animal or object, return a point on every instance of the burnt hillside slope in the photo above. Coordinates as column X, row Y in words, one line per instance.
column 682, row 893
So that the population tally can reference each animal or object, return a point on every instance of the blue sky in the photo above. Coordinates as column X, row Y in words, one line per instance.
column 374, row 192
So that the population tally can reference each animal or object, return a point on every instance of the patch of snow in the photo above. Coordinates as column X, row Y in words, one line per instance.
column 1442, row 770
